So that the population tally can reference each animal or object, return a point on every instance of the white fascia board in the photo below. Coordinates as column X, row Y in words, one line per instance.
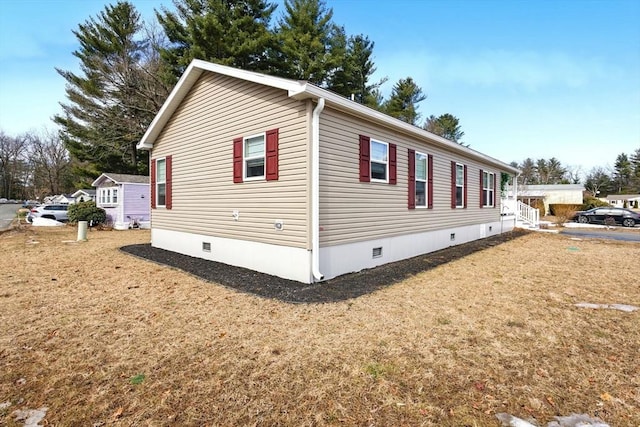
column 354, row 108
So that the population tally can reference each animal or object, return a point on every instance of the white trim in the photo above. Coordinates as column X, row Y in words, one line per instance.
column 245, row 158
column 386, row 174
column 282, row 261
column 315, row 190
column 353, row 257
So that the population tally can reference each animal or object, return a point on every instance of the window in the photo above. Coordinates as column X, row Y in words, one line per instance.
column 488, row 189
column 161, row 182
column 458, row 185
column 379, row 161
column 421, row 180
column 108, row 196
column 253, row 157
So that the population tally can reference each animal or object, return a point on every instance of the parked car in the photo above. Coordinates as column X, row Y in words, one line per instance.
column 620, row 216
column 57, row 212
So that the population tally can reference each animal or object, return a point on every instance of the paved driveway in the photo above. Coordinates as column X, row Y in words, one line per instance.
column 620, row 233
column 7, row 214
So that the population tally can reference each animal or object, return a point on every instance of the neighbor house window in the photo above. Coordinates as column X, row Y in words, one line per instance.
column 254, row 157
column 108, row 196
column 379, row 161
column 488, row 189
column 161, row 182
column 421, row 180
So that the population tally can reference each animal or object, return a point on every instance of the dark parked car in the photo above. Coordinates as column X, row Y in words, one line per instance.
column 57, row 212
column 620, row 216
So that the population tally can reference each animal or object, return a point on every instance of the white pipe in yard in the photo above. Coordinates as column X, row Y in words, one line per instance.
column 82, row 231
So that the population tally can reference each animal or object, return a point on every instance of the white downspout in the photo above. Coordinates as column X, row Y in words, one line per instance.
column 315, row 191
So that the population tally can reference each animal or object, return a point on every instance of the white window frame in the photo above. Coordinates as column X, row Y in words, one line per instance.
column 461, row 185
column 488, row 191
column 425, row 180
column 158, row 182
column 108, row 196
column 263, row 156
column 384, row 162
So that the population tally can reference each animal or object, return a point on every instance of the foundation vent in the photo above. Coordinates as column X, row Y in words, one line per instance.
column 206, row 246
column 377, row 252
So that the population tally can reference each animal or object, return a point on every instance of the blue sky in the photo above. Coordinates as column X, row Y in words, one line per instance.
column 527, row 78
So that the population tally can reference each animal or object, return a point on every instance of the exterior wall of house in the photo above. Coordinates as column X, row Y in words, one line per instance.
column 353, row 211
column 199, row 137
column 134, row 204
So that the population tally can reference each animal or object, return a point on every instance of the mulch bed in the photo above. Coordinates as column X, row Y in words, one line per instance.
column 337, row 289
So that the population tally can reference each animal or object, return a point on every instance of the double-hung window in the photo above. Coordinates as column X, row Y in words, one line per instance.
column 108, row 196
column 254, row 153
column 379, row 161
column 459, row 185
column 421, row 180
column 161, row 182
column 488, row 190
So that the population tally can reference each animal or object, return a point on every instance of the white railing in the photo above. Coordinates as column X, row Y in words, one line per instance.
column 522, row 211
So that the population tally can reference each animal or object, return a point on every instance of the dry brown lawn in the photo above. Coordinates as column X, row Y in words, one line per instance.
column 102, row 338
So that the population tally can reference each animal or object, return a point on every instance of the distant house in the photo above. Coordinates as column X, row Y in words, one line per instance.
column 125, row 198
column 84, row 195
column 286, row 178
column 63, row 199
column 619, row 200
column 541, row 196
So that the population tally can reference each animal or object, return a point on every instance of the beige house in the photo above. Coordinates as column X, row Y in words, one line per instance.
column 289, row 179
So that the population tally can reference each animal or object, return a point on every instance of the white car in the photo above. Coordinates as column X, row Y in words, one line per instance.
column 56, row 212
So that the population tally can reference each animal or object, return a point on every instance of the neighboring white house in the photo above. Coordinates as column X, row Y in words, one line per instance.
column 63, row 199
column 618, row 200
column 541, row 196
column 84, row 195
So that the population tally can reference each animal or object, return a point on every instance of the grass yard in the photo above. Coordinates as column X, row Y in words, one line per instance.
column 102, row 338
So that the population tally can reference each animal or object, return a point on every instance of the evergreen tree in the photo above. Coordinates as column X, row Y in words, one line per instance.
column 445, row 125
column 528, row 174
column 402, row 103
column 623, row 173
column 635, row 165
column 113, row 100
column 311, row 46
column 352, row 78
column 555, row 171
column 227, row 32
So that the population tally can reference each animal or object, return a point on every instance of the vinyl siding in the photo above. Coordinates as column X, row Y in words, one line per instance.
column 200, row 136
column 352, row 211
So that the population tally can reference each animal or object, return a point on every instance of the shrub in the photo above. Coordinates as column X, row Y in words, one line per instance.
column 591, row 202
column 563, row 213
column 562, row 208
column 87, row 211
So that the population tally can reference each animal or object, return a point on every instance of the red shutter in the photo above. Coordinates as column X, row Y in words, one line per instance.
column 430, row 182
column 272, row 155
column 237, row 160
column 393, row 165
column 365, row 156
column 481, row 189
column 495, row 190
column 412, row 180
column 169, row 179
column 153, row 183
column 465, row 186
column 453, row 185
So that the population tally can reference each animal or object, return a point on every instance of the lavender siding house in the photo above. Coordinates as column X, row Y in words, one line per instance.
column 125, row 198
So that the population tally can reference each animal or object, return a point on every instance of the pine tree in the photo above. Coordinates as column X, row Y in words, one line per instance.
column 623, row 173
column 353, row 76
column 635, row 164
column 311, row 46
column 402, row 103
column 227, row 32
column 446, row 125
column 113, row 100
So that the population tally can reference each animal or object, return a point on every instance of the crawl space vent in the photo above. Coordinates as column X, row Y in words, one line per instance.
column 206, row 246
column 377, row 252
